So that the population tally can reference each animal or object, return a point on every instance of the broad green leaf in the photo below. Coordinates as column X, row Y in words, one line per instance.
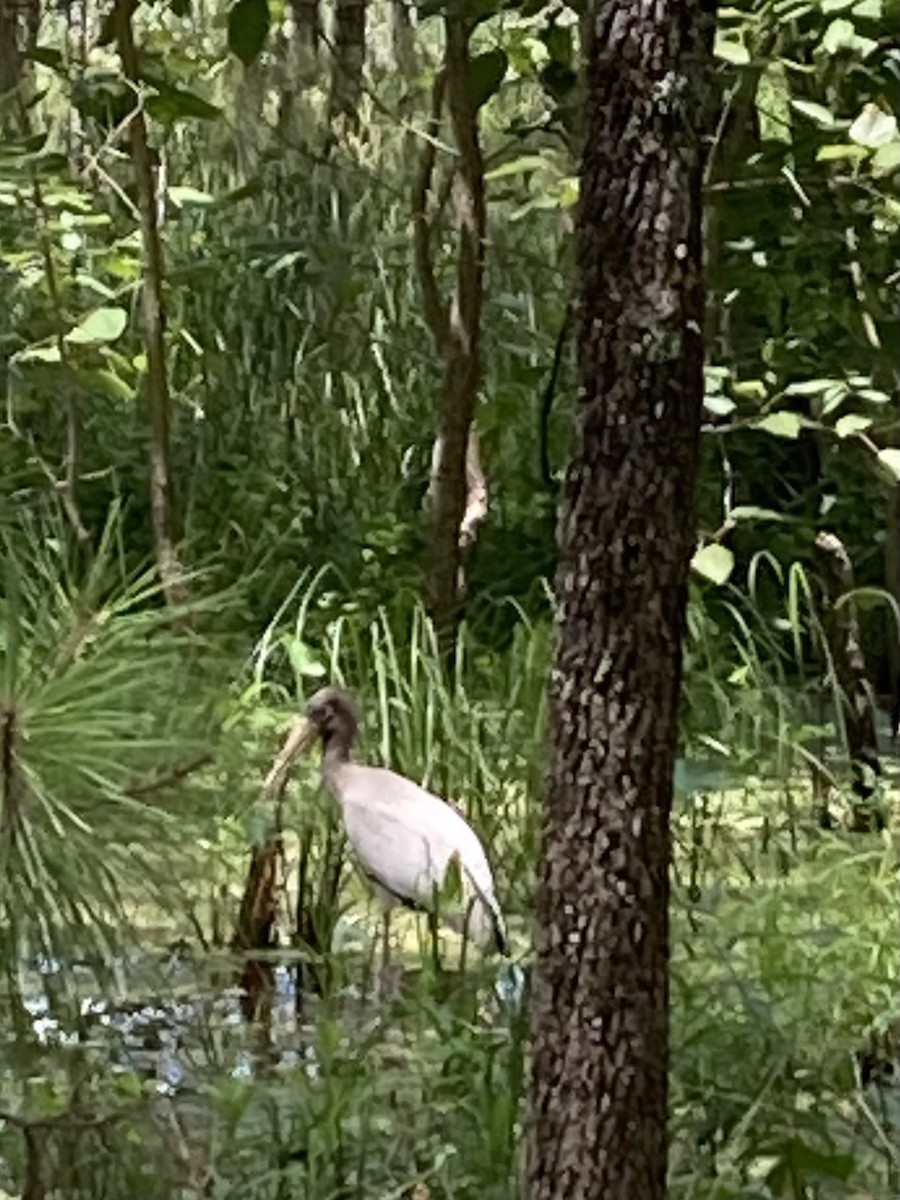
column 873, row 127
column 731, row 49
column 714, row 562
column 102, row 325
column 841, row 35
column 750, row 389
column 873, row 395
column 886, row 159
column 248, row 28
column 816, row 112
column 517, row 166
column 840, row 151
column 484, row 75
column 781, row 424
column 869, row 10
column 88, row 281
column 810, row 387
column 720, row 405
column 890, row 458
column 44, row 354
column 851, row 423
column 773, row 104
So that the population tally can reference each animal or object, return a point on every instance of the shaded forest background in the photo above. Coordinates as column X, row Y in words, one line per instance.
column 268, row 421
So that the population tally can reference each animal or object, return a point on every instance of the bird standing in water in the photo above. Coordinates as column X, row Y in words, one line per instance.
column 404, row 838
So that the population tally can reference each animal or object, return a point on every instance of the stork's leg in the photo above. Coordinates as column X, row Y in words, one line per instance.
column 385, row 940
column 435, row 945
column 384, row 976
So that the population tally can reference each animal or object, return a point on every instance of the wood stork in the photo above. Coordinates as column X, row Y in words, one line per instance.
column 403, row 837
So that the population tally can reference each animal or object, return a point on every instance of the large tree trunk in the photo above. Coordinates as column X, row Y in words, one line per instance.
column 600, row 1009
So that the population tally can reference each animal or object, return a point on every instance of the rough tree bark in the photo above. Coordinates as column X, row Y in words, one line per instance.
column 600, row 1008
column 158, row 396
column 349, row 58
column 458, row 488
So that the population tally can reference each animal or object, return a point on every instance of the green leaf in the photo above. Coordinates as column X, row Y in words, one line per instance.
column 781, row 424
column 714, row 562
column 840, row 151
column 517, row 166
column 45, row 354
column 102, row 325
column 773, row 104
column 721, row 406
column 851, row 423
column 890, row 458
column 816, row 112
column 451, row 890
column 108, row 382
column 484, row 74
column 750, row 512
column 248, row 28
column 189, row 195
column 873, row 127
column 304, row 662
column 731, row 48
column 750, row 389
column 841, row 35
column 886, row 159
column 171, row 104
column 810, row 387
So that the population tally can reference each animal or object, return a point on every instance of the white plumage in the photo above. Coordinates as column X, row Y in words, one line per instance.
column 403, row 837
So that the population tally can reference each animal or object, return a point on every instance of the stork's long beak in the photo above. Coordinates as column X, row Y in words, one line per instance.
column 300, row 738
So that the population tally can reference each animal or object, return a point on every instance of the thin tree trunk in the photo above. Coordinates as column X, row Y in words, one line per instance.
column 846, row 652
column 12, row 42
column 349, row 57
column 892, row 583
column 458, row 490
column 159, row 399
column 600, row 1008
column 307, row 24
column 403, row 36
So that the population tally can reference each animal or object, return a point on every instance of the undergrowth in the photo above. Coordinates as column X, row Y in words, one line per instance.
column 784, row 972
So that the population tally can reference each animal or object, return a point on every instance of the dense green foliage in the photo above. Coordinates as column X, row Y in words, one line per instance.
column 304, row 385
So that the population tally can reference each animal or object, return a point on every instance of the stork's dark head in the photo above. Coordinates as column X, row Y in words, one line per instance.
column 330, row 716
column 333, row 714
